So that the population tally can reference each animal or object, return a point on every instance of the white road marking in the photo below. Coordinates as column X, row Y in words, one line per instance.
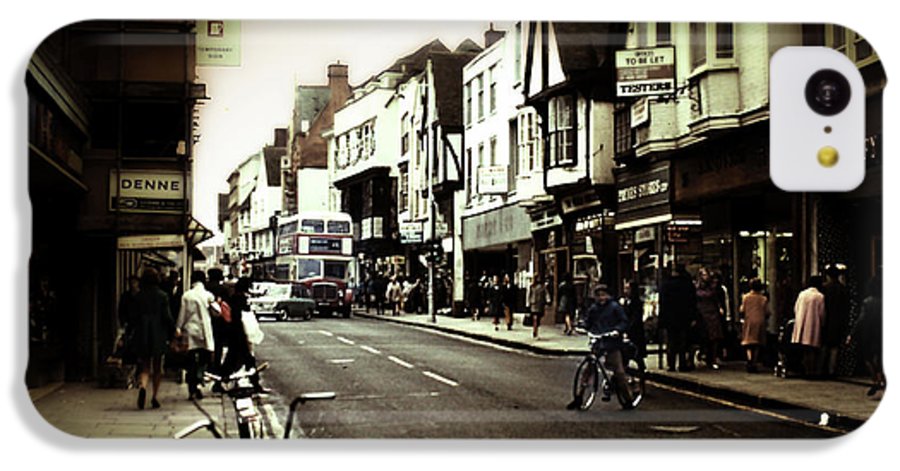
column 325, row 332
column 347, row 341
column 370, row 349
column 399, row 361
column 440, row 378
column 342, row 360
column 272, row 417
column 301, row 342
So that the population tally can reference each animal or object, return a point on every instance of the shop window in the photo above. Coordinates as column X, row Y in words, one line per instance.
column 561, row 131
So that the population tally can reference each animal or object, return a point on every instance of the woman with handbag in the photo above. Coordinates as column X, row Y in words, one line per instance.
column 153, row 330
column 754, row 308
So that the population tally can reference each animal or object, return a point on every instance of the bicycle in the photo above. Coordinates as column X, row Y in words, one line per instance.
column 592, row 375
column 243, row 396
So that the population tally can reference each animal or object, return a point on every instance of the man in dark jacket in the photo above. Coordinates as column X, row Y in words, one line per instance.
column 606, row 316
column 677, row 313
column 837, row 317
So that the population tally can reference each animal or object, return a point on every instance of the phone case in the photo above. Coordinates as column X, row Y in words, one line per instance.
column 252, row 229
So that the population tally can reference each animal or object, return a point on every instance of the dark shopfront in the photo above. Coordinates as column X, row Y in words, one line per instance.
column 575, row 238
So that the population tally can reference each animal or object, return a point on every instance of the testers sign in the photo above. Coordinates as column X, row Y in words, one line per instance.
column 645, row 72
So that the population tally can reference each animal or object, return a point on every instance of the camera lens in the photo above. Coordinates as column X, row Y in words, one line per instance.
column 827, row 92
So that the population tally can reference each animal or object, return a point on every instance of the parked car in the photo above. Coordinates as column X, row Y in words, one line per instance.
column 282, row 300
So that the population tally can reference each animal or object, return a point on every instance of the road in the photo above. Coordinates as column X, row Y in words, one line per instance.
column 395, row 381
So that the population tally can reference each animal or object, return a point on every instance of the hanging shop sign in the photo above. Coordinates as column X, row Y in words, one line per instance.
column 640, row 112
column 411, row 233
column 218, row 43
column 645, row 72
column 147, row 191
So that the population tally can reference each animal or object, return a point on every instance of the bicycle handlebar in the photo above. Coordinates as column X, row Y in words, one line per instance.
column 301, row 399
column 237, row 375
column 605, row 335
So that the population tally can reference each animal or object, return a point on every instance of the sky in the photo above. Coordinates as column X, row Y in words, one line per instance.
column 248, row 102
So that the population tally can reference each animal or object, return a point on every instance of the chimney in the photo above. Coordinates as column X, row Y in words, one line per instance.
column 337, row 75
column 491, row 36
column 338, row 83
column 281, row 137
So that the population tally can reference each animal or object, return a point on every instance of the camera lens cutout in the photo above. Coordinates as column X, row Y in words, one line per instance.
column 827, row 92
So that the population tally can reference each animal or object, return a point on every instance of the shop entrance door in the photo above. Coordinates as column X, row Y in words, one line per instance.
column 554, row 264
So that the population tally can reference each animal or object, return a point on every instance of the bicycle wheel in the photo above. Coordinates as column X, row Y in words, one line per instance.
column 635, row 383
column 586, row 383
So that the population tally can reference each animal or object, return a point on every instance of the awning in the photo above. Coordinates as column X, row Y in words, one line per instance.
column 197, row 233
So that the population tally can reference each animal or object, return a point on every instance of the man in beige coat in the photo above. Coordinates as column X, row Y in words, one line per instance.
column 195, row 324
column 809, row 316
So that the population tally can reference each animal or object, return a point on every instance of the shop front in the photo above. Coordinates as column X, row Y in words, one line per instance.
column 750, row 228
column 498, row 242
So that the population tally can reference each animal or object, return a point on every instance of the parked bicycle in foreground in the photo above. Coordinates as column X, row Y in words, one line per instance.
column 239, row 389
column 593, row 375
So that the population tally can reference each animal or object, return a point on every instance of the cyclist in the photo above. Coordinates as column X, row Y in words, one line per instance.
column 604, row 316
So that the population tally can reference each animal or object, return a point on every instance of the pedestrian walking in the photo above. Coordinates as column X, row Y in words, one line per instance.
column 394, row 296
column 239, row 353
column 195, row 324
column 216, row 285
column 509, row 300
column 473, row 297
column 566, row 301
column 484, row 284
column 837, row 317
column 381, row 283
column 495, row 300
column 755, row 311
column 712, row 313
column 677, row 315
column 809, row 317
column 633, row 303
column 867, row 333
column 153, row 331
column 537, row 302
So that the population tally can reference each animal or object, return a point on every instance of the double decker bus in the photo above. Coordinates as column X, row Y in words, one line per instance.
column 315, row 249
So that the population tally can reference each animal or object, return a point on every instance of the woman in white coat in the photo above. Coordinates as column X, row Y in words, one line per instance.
column 194, row 324
column 809, row 316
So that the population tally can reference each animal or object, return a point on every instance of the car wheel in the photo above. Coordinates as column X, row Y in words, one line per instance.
column 283, row 314
column 308, row 315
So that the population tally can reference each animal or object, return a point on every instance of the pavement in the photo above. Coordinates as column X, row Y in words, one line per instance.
column 87, row 410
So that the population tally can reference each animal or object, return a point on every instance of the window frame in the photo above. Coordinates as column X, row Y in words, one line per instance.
column 554, row 131
column 850, row 45
column 714, row 56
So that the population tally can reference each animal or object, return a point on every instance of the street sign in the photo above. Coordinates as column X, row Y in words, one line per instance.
column 645, row 72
